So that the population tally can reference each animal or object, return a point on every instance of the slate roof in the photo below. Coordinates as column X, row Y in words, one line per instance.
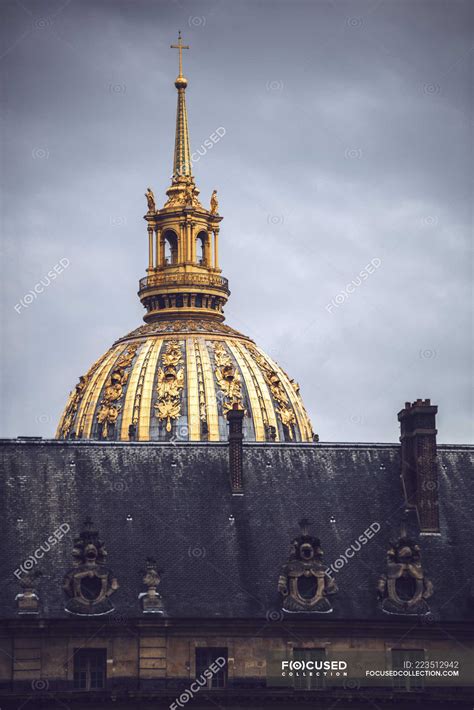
column 220, row 555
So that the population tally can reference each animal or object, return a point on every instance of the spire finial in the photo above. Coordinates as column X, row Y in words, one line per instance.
column 180, row 46
column 182, row 152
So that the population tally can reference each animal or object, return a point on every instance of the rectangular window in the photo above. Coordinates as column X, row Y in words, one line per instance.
column 309, row 679
column 405, row 659
column 90, row 668
column 205, row 657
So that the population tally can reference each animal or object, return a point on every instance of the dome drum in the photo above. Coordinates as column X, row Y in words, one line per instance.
column 174, row 293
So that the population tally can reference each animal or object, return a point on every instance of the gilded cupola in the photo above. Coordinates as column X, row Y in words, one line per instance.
column 177, row 376
column 183, row 276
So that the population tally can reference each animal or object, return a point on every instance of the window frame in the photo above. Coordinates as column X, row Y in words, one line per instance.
column 83, row 664
column 315, row 653
column 212, row 653
column 407, row 684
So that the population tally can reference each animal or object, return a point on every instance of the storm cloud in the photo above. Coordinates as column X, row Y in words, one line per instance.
column 347, row 140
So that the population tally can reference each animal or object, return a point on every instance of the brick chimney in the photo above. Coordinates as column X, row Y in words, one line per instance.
column 419, row 465
column 235, row 418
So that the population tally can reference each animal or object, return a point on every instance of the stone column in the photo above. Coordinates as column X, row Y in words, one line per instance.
column 193, row 243
column 158, row 259
column 208, row 251
column 216, row 248
column 182, row 238
column 189, row 250
column 162, row 251
column 150, row 248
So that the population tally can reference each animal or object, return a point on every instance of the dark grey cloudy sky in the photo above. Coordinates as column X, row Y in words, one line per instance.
column 347, row 139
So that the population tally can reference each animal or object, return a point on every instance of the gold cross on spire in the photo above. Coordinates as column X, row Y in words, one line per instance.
column 180, row 46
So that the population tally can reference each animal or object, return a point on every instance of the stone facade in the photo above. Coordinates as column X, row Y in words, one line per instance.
column 150, row 664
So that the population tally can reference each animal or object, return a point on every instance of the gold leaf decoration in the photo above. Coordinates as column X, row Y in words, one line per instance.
column 73, row 406
column 201, row 390
column 307, row 423
column 75, row 400
column 170, row 384
column 183, row 193
column 228, row 378
column 113, row 390
column 272, row 378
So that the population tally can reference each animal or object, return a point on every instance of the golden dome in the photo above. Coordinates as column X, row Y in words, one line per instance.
column 177, row 376
column 176, row 380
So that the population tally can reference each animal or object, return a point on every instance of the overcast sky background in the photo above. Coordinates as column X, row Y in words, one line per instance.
column 347, row 138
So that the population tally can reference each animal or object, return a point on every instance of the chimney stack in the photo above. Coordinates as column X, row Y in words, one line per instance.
column 235, row 418
column 419, row 465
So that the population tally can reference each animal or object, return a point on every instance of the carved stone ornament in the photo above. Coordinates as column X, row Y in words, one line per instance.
column 151, row 601
column 170, row 385
column 109, row 407
column 304, row 583
column 404, row 589
column 27, row 601
column 90, row 583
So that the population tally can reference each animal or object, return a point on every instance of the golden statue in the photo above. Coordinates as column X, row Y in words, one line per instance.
column 189, row 194
column 214, row 203
column 150, row 198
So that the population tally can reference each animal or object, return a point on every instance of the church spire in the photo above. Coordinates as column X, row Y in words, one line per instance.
column 183, row 275
column 182, row 151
